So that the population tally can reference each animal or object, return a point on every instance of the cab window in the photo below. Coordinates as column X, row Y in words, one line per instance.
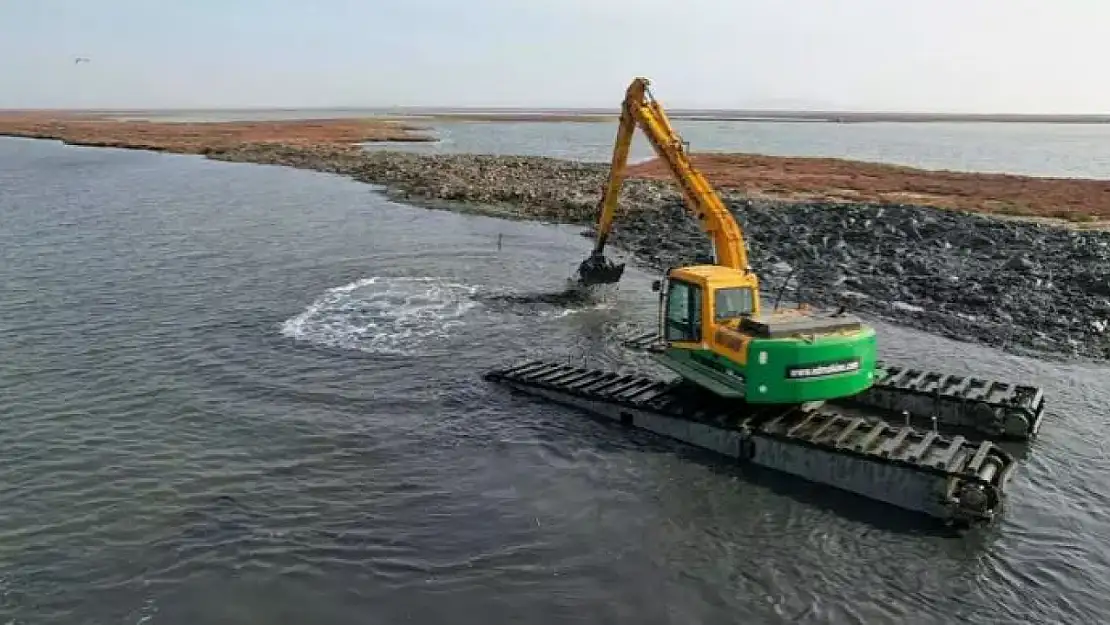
column 683, row 319
column 732, row 303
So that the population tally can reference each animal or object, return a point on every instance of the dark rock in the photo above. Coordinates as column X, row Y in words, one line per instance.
column 970, row 277
column 1020, row 263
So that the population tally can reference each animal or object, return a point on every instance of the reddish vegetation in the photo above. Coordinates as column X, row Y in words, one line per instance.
column 836, row 179
column 766, row 176
column 201, row 137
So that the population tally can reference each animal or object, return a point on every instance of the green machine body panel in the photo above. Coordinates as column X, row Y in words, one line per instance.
column 783, row 370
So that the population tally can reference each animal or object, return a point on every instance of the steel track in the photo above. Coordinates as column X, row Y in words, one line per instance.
column 978, row 407
column 949, row 478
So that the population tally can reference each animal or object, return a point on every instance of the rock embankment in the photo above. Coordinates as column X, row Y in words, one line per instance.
column 526, row 186
column 999, row 282
column 839, row 180
column 1028, row 287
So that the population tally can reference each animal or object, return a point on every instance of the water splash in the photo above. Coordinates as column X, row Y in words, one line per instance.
column 395, row 315
column 384, row 315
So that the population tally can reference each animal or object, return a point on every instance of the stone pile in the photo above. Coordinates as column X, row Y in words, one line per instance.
column 968, row 277
column 1004, row 283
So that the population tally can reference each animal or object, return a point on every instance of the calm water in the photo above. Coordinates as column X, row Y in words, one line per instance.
column 1063, row 150
column 248, row 394
column 1035, row 149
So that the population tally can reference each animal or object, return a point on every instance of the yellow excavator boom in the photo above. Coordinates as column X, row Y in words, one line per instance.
column 641, row 109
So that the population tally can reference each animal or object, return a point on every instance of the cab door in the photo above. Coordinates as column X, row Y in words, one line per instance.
column 682, row 320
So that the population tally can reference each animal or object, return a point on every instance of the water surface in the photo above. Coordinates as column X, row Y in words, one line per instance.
column 249, row 394
column 1037, row 149
column 1062, row 150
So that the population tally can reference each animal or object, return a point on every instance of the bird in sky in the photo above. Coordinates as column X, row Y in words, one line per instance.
column 80, row 59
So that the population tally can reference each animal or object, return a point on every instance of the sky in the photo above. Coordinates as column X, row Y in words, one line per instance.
column 964, row 56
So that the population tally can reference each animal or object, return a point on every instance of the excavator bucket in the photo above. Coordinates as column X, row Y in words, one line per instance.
column 599, row 270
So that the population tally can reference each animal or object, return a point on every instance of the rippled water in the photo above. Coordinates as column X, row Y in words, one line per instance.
column 248, row 394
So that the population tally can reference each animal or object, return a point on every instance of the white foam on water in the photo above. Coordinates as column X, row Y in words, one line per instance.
column 564, row 312
column 606, row 301
column 383, row 315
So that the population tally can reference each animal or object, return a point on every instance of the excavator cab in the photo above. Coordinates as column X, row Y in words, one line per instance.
column 713, row 333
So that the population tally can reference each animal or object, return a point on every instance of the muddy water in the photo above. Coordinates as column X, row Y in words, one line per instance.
column 240, row 393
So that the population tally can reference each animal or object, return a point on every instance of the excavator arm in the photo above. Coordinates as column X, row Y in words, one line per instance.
column 641, row 109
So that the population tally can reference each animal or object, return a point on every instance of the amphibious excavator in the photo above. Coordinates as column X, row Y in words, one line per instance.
column 795, row 389
column 713, row 327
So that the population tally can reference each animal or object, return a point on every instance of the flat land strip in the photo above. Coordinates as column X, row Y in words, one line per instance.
column 510, row 117
column 203, row 137
column 830, row 179
column 1079, row 201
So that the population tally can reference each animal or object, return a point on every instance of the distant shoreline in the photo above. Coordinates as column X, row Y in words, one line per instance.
column 872, row 236
column 205, row 137
column 566, row 115
column 785, row 117
column 337, row 144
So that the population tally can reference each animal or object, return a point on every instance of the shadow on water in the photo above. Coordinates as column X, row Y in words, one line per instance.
column 844, row 504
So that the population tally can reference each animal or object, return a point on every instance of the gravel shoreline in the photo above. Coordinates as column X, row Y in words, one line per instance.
column 1026, row 287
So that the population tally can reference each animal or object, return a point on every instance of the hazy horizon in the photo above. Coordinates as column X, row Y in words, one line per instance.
column 864, row 56
column 786, row 115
